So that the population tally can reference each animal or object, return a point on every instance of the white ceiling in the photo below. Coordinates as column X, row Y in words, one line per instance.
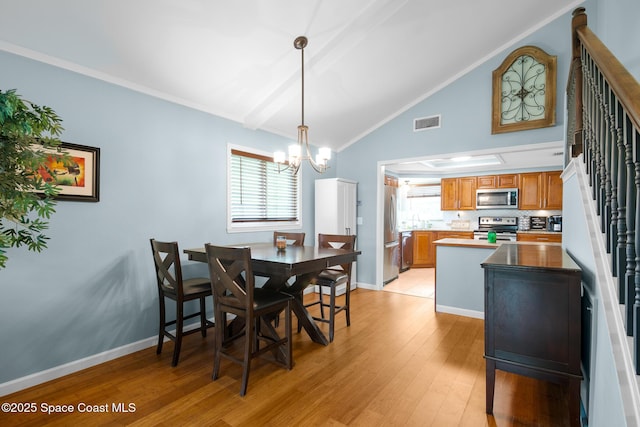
column 367, row 60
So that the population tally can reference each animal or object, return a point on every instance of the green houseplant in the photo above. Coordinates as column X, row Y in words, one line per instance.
column 27, row 201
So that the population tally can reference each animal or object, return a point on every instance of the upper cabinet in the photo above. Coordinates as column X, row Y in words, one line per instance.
column 537, row 190
column 458, row 194
column 498, row 181
column 540, row 190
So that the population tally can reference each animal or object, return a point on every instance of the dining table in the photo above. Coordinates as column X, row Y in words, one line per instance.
column 279, row 266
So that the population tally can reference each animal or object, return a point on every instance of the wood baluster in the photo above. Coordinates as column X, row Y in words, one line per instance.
column 594, row 142
column 611, row 170
column 629, row 282
column 635, row 318
column 632, row 292
column 621, row 196
column 604, row 156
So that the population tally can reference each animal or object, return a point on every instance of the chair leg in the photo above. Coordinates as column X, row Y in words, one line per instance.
column 321, row 288
column 220, row 333
column 162, row 326
column 203, row 318
column 251, row 331
column 178, row 340
column 347, row 303
column 332, row 311
column 287, row 325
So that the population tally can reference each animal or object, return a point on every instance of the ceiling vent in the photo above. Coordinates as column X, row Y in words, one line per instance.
column 425, row 123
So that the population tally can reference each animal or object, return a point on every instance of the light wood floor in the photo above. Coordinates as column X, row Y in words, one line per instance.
column 398, row 364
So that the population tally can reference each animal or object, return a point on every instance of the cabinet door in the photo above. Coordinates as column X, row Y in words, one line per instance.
column 448, row 194
column 467, row 193
column 530, row 194
column 422, row 251
column 487, row 181
column 507, row 181
column 553, row 190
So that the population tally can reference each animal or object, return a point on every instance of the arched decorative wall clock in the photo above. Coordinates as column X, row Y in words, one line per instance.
column 524, row 91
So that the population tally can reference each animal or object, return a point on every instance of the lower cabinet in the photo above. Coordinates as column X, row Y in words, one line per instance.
column 424, row 250
column 423, row 254
column 540, row 237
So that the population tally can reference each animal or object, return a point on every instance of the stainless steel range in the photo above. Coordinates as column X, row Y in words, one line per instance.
column 505, row 228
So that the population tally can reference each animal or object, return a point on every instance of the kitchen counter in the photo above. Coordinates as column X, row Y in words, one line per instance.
column 539, row 232
column 470, row 243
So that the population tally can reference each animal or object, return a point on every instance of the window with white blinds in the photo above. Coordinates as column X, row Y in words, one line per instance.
column 260, row 196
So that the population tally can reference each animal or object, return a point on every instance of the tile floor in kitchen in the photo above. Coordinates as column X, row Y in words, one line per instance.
column 418, row 282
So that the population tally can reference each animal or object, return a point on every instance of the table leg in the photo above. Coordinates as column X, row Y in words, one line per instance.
column 307, row 322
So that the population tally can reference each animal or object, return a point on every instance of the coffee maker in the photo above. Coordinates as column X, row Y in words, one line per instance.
column 555, row 223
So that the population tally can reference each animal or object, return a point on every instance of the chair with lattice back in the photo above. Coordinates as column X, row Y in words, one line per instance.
column 234, row 292
column 332, row 278
column 171, row 285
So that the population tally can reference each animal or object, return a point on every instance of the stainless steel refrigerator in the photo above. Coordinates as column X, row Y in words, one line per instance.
column 391, row 266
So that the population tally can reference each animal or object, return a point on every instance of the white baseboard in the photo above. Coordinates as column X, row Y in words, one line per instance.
column 460, row 311
column 80, row 364
column 75, row 366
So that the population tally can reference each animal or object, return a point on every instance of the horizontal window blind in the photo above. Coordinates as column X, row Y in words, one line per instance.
column 258, row 192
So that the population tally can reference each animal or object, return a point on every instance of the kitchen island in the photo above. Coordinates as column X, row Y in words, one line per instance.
column 459, row 277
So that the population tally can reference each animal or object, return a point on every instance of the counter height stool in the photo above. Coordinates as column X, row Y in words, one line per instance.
column 234, row 292
column 332, row 278
column 171, row 285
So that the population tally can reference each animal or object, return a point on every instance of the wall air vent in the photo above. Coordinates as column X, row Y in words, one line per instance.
column 424, row 123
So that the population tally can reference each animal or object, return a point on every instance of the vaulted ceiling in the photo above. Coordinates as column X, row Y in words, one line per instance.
column 366, row 61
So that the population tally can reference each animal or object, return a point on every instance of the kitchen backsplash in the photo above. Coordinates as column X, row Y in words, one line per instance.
column 472, row 217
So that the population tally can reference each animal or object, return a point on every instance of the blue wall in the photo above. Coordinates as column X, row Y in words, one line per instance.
column 162, row 175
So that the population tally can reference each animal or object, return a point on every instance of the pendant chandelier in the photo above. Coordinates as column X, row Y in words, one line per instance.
column 301, row 151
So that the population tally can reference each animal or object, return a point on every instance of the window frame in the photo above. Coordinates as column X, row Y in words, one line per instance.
column 253, row 226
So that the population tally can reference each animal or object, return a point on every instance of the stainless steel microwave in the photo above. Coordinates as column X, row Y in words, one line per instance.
column 500, row 198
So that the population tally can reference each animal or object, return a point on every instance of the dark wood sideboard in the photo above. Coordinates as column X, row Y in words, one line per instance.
column 533, row 317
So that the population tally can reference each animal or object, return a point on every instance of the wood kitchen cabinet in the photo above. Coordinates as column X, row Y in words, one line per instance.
column 423, row 252
column 498, row 181
column 458, row 193
column 540, row 237
column 540, row 190
column 507, row 180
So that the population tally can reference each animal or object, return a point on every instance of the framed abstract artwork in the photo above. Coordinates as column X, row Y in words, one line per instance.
column 79, row 177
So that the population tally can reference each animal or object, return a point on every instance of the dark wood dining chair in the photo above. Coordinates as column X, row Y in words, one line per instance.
column 234, row 292
column 171, row 285
column 332, row 278
column 293, row 239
